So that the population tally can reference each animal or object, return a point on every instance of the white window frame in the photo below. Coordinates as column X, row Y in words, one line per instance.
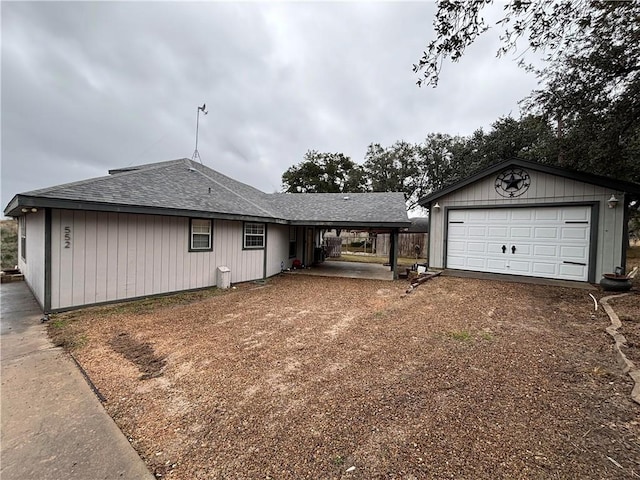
column 293, row 241
column 22, row 223
column 200, row 222
column 254, row 234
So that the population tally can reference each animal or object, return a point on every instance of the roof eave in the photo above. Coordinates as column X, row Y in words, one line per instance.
column 350, row 224
column 13, row 207
column 22, row 201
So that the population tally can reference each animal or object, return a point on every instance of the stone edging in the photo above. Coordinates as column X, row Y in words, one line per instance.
column 627, row 365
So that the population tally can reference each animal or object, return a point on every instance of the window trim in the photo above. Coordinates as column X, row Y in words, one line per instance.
column 23, row 237
column 263, row 235
column 294, row 242
column 191, row 247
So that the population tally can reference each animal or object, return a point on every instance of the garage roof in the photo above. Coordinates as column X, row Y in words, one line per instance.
column 617, row 185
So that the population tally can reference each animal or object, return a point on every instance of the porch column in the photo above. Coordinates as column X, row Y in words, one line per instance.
column 393, row 252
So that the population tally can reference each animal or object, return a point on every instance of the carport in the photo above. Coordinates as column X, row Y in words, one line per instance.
column 310, row 252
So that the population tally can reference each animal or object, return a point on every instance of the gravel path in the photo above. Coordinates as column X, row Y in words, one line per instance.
column 308, row 377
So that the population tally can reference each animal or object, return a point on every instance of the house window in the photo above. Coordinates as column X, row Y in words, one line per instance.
column 254, row 235
column 200, row 235
column 23, row 237
column 293, row 242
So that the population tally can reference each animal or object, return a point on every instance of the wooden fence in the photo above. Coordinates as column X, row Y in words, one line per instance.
column 407, row 243
column 333, row 246
column 378, row 245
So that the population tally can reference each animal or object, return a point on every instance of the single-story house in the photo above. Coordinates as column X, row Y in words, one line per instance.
column 168, row 226
column 523, row 218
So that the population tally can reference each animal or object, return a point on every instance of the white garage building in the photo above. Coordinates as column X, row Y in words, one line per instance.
column 523, row 218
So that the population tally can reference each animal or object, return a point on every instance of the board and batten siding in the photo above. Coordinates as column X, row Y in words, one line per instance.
column 33, row 267
column 277, row 248
column 544, row 189
column 115, row 256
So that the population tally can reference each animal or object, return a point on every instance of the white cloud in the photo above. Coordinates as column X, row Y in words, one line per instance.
column 92, row 86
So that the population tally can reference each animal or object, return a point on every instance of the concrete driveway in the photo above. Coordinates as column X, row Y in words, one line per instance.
column 335, row 268
column 53, row 426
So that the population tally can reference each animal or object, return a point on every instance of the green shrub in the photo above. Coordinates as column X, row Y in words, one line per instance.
column 9, row 245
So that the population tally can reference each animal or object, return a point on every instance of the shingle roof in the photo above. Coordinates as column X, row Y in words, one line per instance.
column 186, row 186
column 340, row 207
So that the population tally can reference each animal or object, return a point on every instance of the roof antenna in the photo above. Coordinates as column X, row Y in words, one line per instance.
column 196, row 154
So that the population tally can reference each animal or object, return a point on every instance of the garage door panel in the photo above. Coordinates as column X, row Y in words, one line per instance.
column 457, row 215
column 518, row 267
column 457, row 247
column 495, row 248
column 476, row 247
column 573, row 272
column 549, row 233
column 576, row 214
column 456, row 230
column 575, row 233
column 543, row 241
column 456, row 261
column 498, row 232
column 476, row 262
column 477, row 216
column 545, row 250
column 496, row 265
column 573, row 252
column 524, row 214
column 522, row 249
column 545, row 269
column 498, row 214
column 520, row 232
column 547, row 214
column 476, row 231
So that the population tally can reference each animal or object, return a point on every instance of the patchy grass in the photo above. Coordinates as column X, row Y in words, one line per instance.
column 461, row 335
column 298, row 379
column 64, row 331
column 144, row 306
column 9, row 243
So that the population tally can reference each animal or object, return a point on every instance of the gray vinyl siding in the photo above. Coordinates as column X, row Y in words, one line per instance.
column 116, row 256
column 33, row 267
column 545, row 189
column 277, row 248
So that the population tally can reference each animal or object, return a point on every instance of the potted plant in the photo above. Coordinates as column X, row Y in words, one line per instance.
column 616, row 282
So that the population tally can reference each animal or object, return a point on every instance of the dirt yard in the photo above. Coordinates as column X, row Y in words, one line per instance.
column 325, row 378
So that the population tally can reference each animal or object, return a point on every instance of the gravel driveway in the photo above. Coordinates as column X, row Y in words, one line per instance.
column 309, row 377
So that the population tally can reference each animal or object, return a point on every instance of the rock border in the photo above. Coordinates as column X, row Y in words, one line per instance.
column 627, row 365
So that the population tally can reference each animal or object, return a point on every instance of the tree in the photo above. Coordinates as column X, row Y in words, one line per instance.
column 324, row 173
column 593, row 90
column 439, row 161
column 548, row 25
column 395, row 169
column 590, row 79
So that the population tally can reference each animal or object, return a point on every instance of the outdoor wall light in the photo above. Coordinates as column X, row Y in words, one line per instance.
column 613, row 201
column 437, row 206
column 25, row 210
column 34, row 210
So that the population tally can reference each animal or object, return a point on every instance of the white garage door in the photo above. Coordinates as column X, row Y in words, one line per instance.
column 550, row 242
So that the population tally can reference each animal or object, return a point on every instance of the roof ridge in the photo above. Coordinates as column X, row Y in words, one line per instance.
column 100, row 178
column 202, row 165
column 235, row 193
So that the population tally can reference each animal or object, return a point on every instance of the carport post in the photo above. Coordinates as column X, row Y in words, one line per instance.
column 393, row 252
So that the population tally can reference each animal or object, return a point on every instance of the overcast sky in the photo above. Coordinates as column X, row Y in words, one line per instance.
column 91, row 86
